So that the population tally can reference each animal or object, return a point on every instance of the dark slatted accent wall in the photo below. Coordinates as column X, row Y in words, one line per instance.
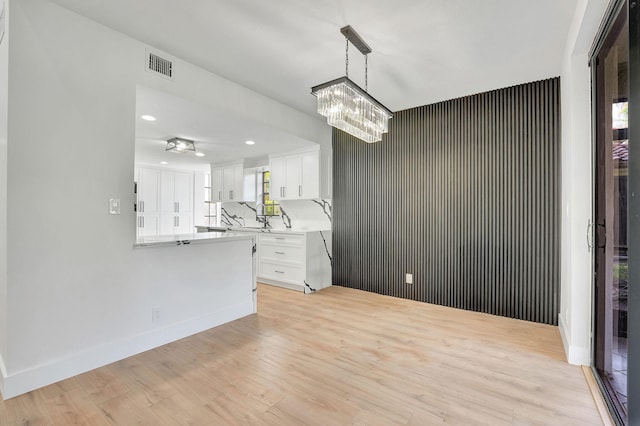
column 464, row 194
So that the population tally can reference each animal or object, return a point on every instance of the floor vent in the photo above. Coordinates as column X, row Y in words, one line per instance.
column 159, row 65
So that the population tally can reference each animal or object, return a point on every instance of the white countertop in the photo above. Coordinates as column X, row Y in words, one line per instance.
column 200, row 237
column 297, row 231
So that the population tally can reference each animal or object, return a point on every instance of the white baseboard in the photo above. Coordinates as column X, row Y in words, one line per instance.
column 576, row 355
column 98, row 356
column 3, row 374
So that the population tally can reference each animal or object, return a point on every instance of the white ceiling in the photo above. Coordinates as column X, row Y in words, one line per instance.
column 424, row 51
column 218, row 134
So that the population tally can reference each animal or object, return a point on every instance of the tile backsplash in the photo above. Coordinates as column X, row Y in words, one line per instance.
column 314, row 214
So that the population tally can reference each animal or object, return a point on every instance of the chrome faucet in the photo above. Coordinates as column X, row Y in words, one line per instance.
column 262, row 218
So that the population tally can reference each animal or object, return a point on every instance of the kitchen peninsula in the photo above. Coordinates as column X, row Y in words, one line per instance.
column 194, row 282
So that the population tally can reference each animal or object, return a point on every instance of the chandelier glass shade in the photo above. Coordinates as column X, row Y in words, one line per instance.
column 351, row 109
column 180, row 146
column 346, row 105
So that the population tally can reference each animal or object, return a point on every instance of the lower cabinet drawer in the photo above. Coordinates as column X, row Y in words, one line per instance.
column 282, row 238
column 281, row 252
column 281, row 272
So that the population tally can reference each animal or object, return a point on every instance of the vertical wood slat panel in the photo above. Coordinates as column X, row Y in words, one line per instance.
column 464, row 194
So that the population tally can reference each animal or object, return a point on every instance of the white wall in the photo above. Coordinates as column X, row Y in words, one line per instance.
column 4, row 81
column 576, row 268
column 74, row 281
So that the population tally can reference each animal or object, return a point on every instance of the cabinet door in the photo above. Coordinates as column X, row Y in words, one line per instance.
column 227, row 183
column 207, row 188
column 238, row 182
column 276, row 169
column 183, row 224
column 249, row 185
column 292, row 184
column 147, row 225
column 216, row 185
column 167, row 224
column 183, row 192
column 148, row 186
column 167, row 193
column 310, row 175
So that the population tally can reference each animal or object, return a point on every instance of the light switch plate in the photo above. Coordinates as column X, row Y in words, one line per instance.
column 408, row 278
column 114, row 206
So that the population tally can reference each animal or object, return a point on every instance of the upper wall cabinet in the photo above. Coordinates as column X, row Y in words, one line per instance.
column 216, row 184
column 295, row 176
column 227, row 183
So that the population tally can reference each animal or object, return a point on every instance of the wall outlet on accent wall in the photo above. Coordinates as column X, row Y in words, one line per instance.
column 408, row 278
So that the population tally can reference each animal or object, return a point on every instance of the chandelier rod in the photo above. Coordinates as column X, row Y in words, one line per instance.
column 355, row 39
column 346, row 58
column 352, row 36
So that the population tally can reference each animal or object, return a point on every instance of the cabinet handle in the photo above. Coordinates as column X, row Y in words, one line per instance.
column 219, row 195
column 139, row 222
column 177, row 206
column 279, row 252
column 230, row 194
column 142, row 217
column 280, row 272
column 178, row 221
column 299, row 190
column 284, row 192
column 141, row 207
column 279, row 238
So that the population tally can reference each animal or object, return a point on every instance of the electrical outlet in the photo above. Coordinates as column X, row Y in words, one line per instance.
column 155, row 314
column 408, row 278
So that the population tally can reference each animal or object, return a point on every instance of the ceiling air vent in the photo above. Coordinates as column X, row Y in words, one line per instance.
column 159, row 65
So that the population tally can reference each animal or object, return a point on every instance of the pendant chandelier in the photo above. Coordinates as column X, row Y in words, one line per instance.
column 346, row 105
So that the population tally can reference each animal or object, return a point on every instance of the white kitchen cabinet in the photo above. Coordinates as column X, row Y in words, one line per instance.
column 292, row 181
column 148, row 184
column 176, row 192
column 227, row 183
column 310, row 175
column 276, row 175
column 295, row 176
column 147, row 225
column 174, row 224
column 184, row 192
column 233, row 182
column 299, row 261
column 147, row 203
column 165, row 202
column 216, row 184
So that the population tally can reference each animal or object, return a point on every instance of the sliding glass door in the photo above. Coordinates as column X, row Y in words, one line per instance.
column 611, row 95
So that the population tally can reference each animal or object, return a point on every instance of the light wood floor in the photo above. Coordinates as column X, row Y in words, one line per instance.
column 336, row 357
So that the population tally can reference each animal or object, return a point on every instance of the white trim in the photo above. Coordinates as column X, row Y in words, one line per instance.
column 576, row 355
column 98, row 356
column 3, row 375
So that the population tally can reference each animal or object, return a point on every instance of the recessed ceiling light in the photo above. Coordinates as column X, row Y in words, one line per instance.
column 148, row 117
column 250, row 142
column 163, row 162
column 199, row 154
